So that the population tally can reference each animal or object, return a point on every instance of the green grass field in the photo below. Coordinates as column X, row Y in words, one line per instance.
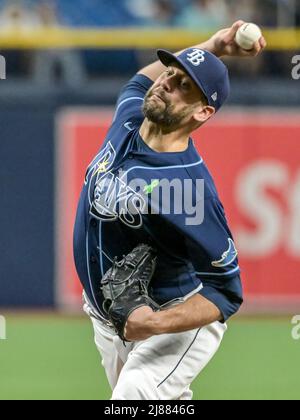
column 46, row 357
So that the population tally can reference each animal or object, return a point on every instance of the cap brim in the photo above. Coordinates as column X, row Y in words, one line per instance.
column 167, row 58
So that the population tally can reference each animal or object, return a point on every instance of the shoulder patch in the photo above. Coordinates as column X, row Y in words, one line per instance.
column 228, row 256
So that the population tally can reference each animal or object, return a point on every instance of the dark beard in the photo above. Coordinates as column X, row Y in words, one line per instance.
column 165, row 117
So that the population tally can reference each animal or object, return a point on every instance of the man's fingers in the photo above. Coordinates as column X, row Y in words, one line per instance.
column 257, row 48
column 238, row 24
column 247, row 53
column 232, row 31
column 263, row 42
column 230, row 37
column 224, row 42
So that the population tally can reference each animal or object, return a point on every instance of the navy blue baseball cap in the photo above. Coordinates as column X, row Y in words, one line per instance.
column 207, row 71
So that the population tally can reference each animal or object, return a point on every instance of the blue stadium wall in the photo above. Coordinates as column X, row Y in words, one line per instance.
column 26, row 212
column 27, row 201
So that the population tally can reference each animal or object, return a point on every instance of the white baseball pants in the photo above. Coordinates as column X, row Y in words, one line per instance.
column 159, row 368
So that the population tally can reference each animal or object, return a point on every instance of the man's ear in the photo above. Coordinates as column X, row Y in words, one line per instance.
column 204, row 113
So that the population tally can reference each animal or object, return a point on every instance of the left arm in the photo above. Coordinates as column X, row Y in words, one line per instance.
column 195, row 313
column 221, row 295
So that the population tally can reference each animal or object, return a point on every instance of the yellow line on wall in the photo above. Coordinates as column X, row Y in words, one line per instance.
column 283, row 39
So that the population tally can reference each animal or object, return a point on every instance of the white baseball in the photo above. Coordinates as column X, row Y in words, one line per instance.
column 247, row 35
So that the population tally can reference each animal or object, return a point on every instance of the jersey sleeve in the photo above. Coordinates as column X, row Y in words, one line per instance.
column 215, row 258
column 130, row 101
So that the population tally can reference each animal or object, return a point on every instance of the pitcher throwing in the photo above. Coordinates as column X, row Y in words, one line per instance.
column 159, row 265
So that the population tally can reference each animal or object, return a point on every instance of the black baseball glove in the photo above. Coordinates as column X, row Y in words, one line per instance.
column 125, row 286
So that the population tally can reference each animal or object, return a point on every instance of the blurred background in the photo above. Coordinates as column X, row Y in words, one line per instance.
column 66, row 62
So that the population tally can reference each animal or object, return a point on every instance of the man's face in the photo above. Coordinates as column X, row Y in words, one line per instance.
column 173, row 99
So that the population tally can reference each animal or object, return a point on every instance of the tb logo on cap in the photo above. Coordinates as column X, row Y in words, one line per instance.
column 196, row 57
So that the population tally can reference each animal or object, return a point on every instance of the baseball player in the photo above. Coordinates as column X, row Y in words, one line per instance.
column 196, row 282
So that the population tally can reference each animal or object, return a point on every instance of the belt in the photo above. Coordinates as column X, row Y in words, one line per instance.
column 93, row 313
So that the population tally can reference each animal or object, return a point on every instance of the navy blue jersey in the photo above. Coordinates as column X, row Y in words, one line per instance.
column 134, row 195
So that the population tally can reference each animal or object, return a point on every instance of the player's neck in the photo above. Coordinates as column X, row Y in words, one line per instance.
column 161, row 140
